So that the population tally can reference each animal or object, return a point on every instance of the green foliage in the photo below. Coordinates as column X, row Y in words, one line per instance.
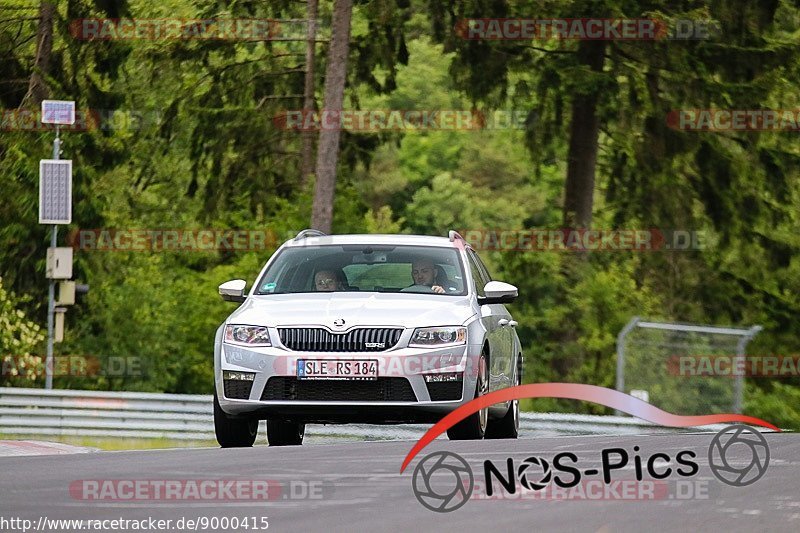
column 20, row 338
column 777, row 402
column 210, row 154
column 381, row 221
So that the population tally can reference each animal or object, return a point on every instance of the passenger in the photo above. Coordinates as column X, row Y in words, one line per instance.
column 329, row 281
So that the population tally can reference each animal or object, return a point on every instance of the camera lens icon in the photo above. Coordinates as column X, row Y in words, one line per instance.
column 443, row 482
column 738, row 455
column 526, row 475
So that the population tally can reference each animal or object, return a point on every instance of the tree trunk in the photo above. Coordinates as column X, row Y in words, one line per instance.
column 583, row 136
column 578, row 201
column 328, row 147
column 307, row 148
column 37, row 87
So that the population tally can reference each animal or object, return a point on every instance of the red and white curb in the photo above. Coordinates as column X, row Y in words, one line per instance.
column 10, row 448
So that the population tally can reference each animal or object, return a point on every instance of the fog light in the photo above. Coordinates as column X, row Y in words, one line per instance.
column 238, row 376
column 447, row 376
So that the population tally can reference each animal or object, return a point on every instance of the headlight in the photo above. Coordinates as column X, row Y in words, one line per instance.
column 435, row 337
column 247, row 335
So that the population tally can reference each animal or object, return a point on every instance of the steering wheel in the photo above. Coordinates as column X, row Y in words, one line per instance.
column 418, row 288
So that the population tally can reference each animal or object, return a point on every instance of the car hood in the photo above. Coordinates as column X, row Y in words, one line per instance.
column 356, row 309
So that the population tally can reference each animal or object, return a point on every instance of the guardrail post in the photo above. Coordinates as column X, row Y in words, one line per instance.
column 738, row 387
column 621, row 354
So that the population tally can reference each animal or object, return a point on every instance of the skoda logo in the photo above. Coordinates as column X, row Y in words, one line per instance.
column 339, row 323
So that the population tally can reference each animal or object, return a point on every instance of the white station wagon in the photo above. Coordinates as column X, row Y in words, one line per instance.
column 378, row 329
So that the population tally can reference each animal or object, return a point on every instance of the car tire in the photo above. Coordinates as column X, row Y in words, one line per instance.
column 508, row 426
column 285, row 433
column 474, row 426
column 232, row 432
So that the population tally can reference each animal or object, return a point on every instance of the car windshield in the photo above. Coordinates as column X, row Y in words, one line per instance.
column 365, row 268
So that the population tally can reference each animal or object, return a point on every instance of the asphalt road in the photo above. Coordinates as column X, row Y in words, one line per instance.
column 356, row 486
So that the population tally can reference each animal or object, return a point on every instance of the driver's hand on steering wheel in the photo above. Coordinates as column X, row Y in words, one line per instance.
column 438, row 289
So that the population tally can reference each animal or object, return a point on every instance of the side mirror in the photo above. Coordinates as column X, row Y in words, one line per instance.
column 498, row 292
column 233, row 290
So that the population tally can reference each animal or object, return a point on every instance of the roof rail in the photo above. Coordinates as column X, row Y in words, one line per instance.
column 453, row 235
column 309, row 233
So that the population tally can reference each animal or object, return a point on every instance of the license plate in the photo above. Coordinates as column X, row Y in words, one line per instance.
column 353, row 369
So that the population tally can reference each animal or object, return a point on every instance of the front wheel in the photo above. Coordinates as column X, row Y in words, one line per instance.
column 508, row 426
column 474, row 426
column 231, row 432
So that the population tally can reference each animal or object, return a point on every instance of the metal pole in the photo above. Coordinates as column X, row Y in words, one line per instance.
column 51, row 304
column 738, row 387
column 621, row 354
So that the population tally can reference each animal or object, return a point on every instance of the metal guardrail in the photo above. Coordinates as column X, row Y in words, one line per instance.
column 105, row 414
column 40, row 412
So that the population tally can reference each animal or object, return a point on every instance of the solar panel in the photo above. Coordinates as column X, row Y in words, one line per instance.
column 58, row 112
column 55, row 191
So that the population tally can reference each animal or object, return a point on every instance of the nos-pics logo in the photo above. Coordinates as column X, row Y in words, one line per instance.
column 443, row 481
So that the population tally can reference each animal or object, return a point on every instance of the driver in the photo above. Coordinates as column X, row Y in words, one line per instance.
column 424, row 273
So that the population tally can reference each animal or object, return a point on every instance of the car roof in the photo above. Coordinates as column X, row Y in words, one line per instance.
column 402, row 239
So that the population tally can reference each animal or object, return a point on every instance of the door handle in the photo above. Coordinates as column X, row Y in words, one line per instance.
column 503, row 322
column 513, row 323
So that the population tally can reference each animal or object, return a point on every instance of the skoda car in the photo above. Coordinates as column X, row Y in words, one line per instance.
column 365, row 328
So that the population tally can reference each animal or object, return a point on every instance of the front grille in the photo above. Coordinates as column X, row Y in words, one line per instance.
column 356, row 340
column 330, row 390
column 237, row 389
column 445, row 390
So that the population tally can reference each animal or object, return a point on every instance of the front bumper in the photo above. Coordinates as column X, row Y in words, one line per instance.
column 404, row 394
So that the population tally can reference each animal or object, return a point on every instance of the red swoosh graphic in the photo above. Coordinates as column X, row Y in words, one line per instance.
column 578, row 391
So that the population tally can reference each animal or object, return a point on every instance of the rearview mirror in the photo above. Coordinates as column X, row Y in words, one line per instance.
column 498, row 292
column 233, row 290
